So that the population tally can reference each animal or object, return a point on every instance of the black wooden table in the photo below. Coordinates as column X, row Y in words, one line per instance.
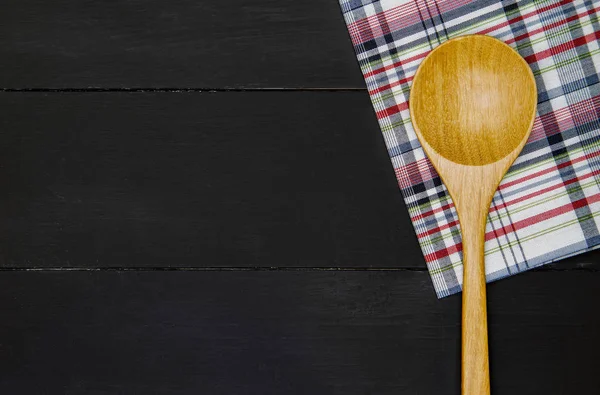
column 197, row 200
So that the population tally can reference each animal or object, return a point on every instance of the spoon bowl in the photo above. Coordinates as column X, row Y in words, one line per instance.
column 473, row 100
column 472, row 105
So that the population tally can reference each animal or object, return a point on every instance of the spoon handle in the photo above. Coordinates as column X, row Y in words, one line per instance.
column 475, row 365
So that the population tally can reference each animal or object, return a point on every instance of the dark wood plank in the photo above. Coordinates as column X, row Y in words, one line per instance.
column 286, row 332
column 179, row 43
column 198, row 179
column 201, row 179
column 589, row 261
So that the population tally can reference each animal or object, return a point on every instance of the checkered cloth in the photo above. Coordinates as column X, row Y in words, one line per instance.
column 548, row 205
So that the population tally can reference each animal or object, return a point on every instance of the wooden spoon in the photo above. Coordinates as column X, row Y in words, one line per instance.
column 472, row 104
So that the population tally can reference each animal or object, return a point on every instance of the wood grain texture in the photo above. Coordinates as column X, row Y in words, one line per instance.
column 473, row 103
column 268, row 333
column 473, row 100
column 234, row 179
column 175, row 44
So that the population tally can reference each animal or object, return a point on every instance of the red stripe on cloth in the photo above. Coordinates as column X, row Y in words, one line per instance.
column 432, row 212
column 437, row 229
column 537, row 193
column 536, row 57
column 392, row 110
column 548, row 189
column 518, row 200
column 385, row 22
column 552, row 25
column 560, row 120
column 434, row 256
column 394, row 65
column 397, row 18
column 524, row 16
column 546, row 215
column 491, row 29
column 414, row 173
column 549, row 170
column 390, row 85
column 485, row 31
column 361, row 29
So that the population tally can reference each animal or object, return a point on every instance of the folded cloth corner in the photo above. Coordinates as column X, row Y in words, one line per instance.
column 548, row 204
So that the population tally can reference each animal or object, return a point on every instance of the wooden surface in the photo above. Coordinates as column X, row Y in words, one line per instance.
column 278, row 332
column 225, row 179
column 175, row 241
column 176, row 44
column 472, row 104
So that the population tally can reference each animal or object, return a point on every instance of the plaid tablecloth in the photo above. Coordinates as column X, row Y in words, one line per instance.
column 548, row 205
